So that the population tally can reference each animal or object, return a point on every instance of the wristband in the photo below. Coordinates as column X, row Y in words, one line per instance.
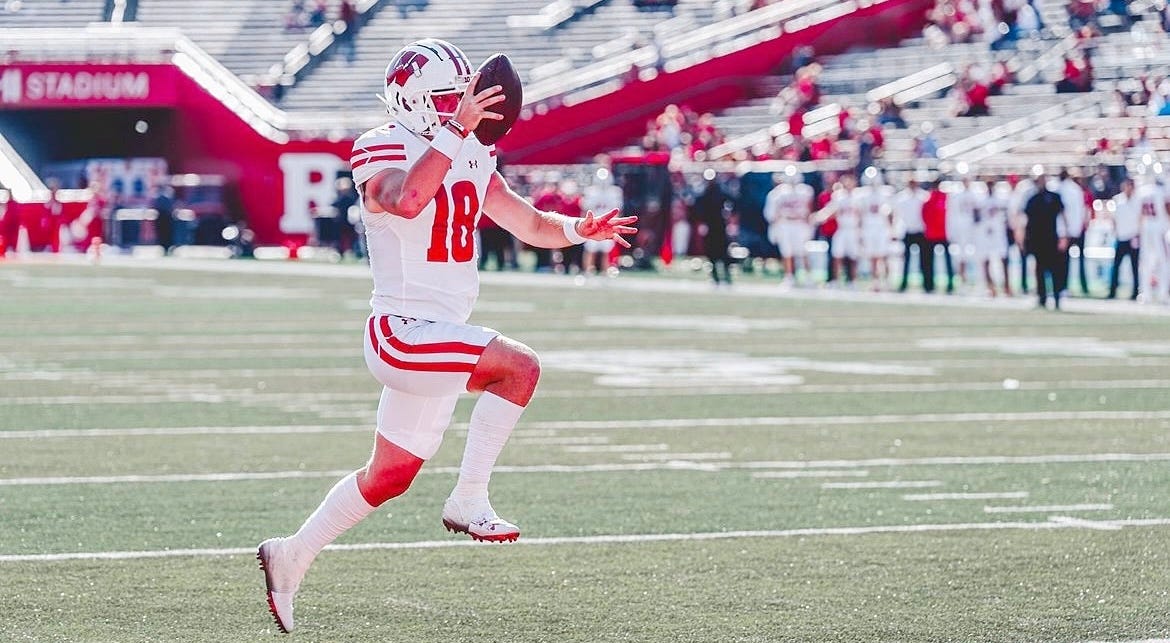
column 571, row 234
column 447, row 143
column 458, row 127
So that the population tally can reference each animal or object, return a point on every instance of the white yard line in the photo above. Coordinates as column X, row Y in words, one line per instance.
column 629, row 282
column 42, row 434
column 1100, row 525
column 556, row 441
column 1047, row 508
column 252, row 395
column 884, row 484
column 663, row 457
column 606, row 539
column 612, row 467
column 813, row 473
column 671, row 423
column 616, row 448
column 991, row 495
column 846, row 420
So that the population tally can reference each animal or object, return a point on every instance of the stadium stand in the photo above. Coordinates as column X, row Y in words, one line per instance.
column 537, row 51
column 249, row 38
column 75, row 13
column 921, row 77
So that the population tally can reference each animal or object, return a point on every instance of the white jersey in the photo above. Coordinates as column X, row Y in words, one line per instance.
column 788, row 203
column 993, row 211
column 848, row 209
column 425, row 267
column 1154, row 219
column 600, row 198
column 873, row 203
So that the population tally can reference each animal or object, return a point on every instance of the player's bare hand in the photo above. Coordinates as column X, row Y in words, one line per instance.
column 473, row 106
column 607, row 226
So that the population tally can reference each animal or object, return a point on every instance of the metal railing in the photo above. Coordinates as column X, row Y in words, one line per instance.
column 699, row 45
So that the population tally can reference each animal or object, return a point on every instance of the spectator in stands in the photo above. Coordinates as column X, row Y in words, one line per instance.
column 907, row 208
column 925, row 145
column 1077, row 76
column 297, row 17
column 317, row 13
column 1081, row 13
column 1001, row 76
column 1126, row 215
column 347, row 17
column 972, row 92
column 870, row 142
column 890, row 113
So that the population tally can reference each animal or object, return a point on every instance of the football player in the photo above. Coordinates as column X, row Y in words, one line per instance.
column 991, row 240
column 424, row 180
column 1154, row 259
column 788, row 209
column 845, row 208
column 874, row 200
column 961, row 204
column 601, row 196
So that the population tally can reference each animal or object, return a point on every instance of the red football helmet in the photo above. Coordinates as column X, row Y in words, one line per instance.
column 419, row 71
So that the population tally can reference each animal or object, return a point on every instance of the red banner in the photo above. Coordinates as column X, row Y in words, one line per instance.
column 28, row 86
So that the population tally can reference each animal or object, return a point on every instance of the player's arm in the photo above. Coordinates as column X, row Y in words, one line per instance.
column 825, row 213
column 405, row 193
column 550, row 229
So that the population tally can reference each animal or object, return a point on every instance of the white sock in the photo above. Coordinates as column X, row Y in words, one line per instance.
column 492, row 422
column 342, row 508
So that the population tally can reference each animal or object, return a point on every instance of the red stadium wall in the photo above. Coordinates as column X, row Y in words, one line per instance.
column 276, row 185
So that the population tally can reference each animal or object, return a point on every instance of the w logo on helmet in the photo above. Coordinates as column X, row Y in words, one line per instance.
column 408, row 64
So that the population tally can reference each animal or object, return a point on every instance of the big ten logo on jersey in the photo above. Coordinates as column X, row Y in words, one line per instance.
column 453, row 231
column 409, row 63
column 309, row 184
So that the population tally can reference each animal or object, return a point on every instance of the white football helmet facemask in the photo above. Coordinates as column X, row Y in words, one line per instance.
column 418, row 71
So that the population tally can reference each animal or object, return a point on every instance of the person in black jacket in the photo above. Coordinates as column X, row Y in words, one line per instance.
column 1043, row 210
column 708, row 211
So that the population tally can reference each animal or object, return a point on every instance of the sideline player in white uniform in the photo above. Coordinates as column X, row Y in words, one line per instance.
column 873, row 203
column 601, row 196
column 788, row 208
column 991, row 233
column 1154, row 258
column 961, row 205
column 844, row 207
column 424, row 181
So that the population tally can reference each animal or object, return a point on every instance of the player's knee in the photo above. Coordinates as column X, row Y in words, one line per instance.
column 381, row 483
column 525, row 368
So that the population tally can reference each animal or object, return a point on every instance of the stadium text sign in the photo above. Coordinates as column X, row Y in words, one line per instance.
column 25, row 86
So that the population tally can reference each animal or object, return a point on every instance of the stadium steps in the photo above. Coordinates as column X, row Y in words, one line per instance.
column 246, row 37
column 480, row 31
column 44, row 13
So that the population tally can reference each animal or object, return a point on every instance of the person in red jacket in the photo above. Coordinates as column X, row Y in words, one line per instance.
column 934, row 220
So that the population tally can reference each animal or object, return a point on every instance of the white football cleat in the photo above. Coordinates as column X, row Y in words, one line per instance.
column 476, row 518
column 282, row 576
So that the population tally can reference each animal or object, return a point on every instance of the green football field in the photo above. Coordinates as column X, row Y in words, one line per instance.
column 697, row 465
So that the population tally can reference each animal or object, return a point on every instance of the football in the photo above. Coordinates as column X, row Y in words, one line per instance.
column 498, row 70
